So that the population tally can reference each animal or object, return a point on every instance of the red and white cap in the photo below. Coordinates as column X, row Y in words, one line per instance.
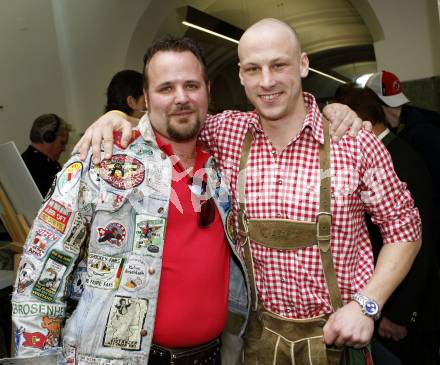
column 387, row 87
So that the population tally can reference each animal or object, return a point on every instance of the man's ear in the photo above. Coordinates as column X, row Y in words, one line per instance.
column 131, row 102
column 304, row 65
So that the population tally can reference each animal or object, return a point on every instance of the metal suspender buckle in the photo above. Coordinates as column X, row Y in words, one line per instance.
column 324, row 230
column 243, row 229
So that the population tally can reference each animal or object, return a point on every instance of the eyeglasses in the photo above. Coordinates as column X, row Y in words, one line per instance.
column 206, row 213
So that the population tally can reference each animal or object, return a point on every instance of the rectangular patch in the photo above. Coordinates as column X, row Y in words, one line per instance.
column 40, row 242
column 90, row 360
column 149, row 234
column 20, row 309
column 125, row 322
column 103, row 272
column 51, row 276
column 55, row 215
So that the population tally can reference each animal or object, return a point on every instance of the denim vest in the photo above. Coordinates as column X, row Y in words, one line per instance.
column 97, row 241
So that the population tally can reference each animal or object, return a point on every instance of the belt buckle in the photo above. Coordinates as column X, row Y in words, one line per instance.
column 318, row 236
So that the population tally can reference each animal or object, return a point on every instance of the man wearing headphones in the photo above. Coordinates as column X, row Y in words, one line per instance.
column 49, row 136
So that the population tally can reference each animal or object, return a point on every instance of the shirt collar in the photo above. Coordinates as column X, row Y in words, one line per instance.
column 313, row 119
column 146, row 129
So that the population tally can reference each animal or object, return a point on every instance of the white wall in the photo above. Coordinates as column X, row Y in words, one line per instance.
column 410, row 47
column 31, row 80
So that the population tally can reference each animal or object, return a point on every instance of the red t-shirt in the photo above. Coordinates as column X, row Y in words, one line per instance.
column 193, row 295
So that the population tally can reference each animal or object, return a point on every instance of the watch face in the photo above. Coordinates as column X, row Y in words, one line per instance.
column 371, row 307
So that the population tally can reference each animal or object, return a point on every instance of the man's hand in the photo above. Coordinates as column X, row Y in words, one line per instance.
column 341, row 119
column 101, row 131
column 389, row 329
column 348, row 326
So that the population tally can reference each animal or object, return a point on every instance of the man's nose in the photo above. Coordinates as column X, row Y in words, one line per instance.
column 267, row 81
column 181, row 96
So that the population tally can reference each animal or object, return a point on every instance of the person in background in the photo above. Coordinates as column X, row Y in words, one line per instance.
column 49, row 136
column 418, row 127
column 125, row 93
column 410, row 323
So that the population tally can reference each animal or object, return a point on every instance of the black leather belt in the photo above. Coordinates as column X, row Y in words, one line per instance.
column 203, row 354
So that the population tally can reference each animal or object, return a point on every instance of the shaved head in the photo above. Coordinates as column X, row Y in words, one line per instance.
column 272, row 25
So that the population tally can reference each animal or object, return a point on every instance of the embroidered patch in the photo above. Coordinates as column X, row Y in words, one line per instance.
column 149, row 233
column 77, row 281
column 103, row 271
column 33, row 339
column 69, row 177
column 110, row 200
column 69, row 353
column 122, row 171
column 125, row 322
column 76, row 235
column 51, row 276
column 134, row 274
column 141, row 149
column 113, row 233
column 41, row 241
column 20, row 309
column 53, row 326
column 55, row 215
column 117, row 138
column 27, row 274
column 40, row 340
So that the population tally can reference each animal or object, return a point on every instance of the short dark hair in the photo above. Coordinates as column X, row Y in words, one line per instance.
column 123, row 84
column 174, row 44
column 363, row 101
column 47, row 124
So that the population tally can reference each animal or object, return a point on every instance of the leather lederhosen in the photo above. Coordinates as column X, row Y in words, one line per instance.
column 270, row 338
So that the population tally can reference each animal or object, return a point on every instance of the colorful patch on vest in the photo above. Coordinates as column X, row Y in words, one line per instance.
column 51, row 276
column 125, row 322
column 110, row 200
column 69, row 353
column 34, row 340
column 40, row 340
column 134, row 275
column 122, row 172
column 56, row 215
column 103, row 271
column 69, row 177
column 27, row 274
column 149, row 233
column 76, row 235
column 30, row 309
column 77, row 281
column 41, row 241
column 141, row 150
column 113, row 233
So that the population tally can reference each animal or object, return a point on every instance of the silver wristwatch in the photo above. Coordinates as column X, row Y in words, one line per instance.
column 369, row 306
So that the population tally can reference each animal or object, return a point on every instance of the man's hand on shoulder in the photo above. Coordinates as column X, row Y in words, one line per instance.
column 342, row 118
column 101, row 132
column 348, row 326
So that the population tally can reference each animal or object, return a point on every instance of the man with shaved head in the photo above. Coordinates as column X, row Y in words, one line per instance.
column 298, row 209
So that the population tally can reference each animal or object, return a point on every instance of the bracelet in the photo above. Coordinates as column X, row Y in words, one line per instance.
column 122, row 114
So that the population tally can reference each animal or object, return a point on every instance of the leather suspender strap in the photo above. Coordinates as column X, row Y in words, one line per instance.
column 243, row 229
column 324, row 220
column 285, row 234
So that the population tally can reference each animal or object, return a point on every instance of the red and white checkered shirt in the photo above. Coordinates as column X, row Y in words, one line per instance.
column 285, row 185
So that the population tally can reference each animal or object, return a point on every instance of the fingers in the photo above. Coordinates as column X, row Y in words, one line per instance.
column 342, row 119
column 367, row 125
column 96, row 148
column 126, row 134
column 105, row 135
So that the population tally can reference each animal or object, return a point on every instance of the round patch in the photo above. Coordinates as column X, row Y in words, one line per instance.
column 122, row 172
column 113, row 233
column 69, row 177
